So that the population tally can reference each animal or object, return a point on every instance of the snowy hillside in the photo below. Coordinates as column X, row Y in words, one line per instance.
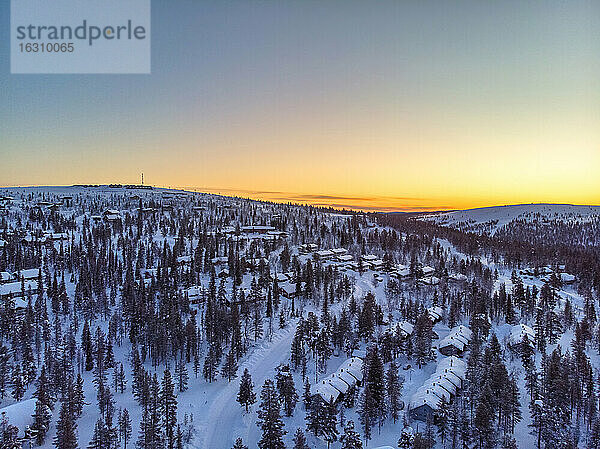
column 490, row 219
column 164, row 319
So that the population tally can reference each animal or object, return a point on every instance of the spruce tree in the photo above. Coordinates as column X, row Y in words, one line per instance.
column 393, row 390
column 269, row 418
column 350, row 439
column 246, row 395
column 300, row 440
column 230, row 366
column 287, row 390
column 66, row 428
column 168, row 408
column 239, row 444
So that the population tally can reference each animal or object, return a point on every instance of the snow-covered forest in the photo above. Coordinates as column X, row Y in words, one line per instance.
column 139, row 317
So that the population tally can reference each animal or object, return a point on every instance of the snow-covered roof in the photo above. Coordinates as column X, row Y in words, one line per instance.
column 340, row 382
column 426, row 397
column 566, row 277
column 326, row 391
column 324, row 253
column 459, row 337
column 402, row 329
column 427, row 270
column 440, row 384
column 518, row 333
column 435, row 312
column 15, row 287
column 31, row 273
column 454, row 365
column 339, row 251
column 6, row 276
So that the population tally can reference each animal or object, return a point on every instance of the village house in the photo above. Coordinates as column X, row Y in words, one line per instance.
column 17, row 289
column 334, row 387
column 6, row 276
column 444, row 383
column 435, row 314
column 323, row 255
column 456, row 341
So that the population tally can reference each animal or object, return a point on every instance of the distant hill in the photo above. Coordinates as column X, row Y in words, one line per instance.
column 491, row 219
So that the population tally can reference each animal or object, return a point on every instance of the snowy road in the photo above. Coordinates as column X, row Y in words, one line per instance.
column 227, row 420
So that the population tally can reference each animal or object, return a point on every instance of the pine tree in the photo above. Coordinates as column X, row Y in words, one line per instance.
column 442, row 419
column 393, row 390
column 246, row 395
column 287, row 390
column 181, row 375
column 269, row 418
column 239, row 444
column 41, row 421
column 66, row 429
column 406, row 438
column 211, row 362
column 86, row 343
column 78, row 397
column 350, row 439
column 230, row 366
column 124, row 423
column 119, row 378
column 18, row 384
column 300, row 440
column 168, row 408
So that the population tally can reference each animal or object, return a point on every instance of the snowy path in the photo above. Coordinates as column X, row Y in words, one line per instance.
column 225, row 413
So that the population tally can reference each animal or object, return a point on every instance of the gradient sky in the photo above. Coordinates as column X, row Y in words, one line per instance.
column 376, row 104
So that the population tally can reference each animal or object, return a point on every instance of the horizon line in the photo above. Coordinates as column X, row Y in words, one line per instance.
column 338, row 202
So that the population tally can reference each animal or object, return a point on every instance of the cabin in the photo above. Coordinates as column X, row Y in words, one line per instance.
column 323, row 255
column 337, row 252
column 307, row 248
column 32, row 273
column 111, row 215
column 287, row 290
column 334, row 387
column 195, row 294
column 402, row 274
column 6, row 276
column 456, row 341
column 184, row 260
column 345, row 258
column 520, row 335
column 432, row 280
column 13, row 290
column 257, row 229
column 427, row 271
column 401, row 330
column 567, row 278
column 435, row 314
column 457, row 278
column 443, row 384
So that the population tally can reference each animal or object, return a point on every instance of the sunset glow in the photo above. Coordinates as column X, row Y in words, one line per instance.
column 386, row 106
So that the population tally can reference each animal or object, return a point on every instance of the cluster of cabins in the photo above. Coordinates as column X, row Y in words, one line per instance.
column 444, row 384
column 544, row 273
column 254, row 232
column 16, row 286
column 456, row 341
column 334, row 387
